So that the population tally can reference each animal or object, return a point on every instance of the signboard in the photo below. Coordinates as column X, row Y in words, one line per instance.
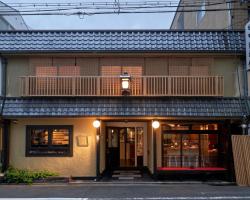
column 247, row 32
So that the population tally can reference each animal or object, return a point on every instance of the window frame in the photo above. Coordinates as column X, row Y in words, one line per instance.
column 197, row 132
column 68, row 153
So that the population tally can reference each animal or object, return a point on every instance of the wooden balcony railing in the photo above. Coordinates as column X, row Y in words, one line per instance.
column 111, row 86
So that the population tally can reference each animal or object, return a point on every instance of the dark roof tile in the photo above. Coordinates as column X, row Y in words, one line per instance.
column 121, row 40
column 162, row 107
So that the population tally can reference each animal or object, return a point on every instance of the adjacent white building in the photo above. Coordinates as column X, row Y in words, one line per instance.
column 11, row 22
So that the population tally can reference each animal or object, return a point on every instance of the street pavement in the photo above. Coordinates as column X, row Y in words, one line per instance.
column 139, row 191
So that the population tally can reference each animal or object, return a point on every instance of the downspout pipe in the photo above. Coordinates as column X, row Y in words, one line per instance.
column 4, row 123
column 3, row 66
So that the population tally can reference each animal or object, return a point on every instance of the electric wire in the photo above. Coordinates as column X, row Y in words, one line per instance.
column 95, row 8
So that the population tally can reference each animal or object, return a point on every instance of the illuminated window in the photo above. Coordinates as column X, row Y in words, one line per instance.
column 191, row 146
column 49, row 140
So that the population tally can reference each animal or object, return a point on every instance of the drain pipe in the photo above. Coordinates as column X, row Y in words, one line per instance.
column 5, row 124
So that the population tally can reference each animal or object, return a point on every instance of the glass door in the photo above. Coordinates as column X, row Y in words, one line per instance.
column 127, row 147
column 124, row 147
column 112, row 151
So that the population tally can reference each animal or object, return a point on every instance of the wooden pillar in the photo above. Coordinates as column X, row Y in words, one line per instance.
column 154, row 153
column 6, row 146
column 98, row 130
column 230, row 161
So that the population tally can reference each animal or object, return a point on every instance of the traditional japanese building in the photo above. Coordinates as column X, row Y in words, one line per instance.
column 84, row 102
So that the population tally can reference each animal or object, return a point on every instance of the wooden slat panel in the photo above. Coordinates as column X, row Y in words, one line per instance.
column 111, row 86
column 241, row 154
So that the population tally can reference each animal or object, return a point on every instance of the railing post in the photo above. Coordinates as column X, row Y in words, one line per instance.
column 216, row 86
column 73, row 86
column 98, row 87
column 26, row 86
column 144, row 86
column 169, row 92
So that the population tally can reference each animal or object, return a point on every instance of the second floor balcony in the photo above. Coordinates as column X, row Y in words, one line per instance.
column 112, row 86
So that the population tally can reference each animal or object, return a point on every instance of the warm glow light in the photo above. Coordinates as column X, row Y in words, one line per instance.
column 155, row 124
column 125, row 84
column 98, row 137
column 244, row 126
column 96, row 123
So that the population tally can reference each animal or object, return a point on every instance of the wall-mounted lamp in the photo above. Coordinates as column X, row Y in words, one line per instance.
column 155, row 124
column 125, row 83
column 244, row 125
column 96, row 123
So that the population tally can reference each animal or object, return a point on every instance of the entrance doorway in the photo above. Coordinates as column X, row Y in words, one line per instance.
column 124, row 147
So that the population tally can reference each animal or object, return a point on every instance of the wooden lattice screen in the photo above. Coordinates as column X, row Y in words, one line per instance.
column 111, row 81
column 188, row 71
column 53, row 82
column 241, row 154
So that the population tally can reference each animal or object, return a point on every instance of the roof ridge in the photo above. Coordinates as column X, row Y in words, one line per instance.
column 123, row 30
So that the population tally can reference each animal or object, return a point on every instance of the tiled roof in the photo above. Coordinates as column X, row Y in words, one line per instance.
column 126, row 106
column 122, row 41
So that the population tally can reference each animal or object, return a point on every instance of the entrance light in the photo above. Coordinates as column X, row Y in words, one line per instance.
column 125, row 83
column 96, row 123
column 155, row 124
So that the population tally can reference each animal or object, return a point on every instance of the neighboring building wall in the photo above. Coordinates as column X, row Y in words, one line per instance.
column 11, row 22
column 223, row 19
column 217, row 65
column 239, row 17
column 4, row 25
column 83, row 161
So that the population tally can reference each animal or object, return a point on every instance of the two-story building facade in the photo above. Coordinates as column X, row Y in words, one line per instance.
column 211, row 14
column 83, row 102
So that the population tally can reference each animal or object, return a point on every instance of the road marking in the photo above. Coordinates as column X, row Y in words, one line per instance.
column 139, row 198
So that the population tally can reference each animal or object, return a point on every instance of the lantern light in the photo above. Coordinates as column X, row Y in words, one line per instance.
column 96, row 123
column 125, row 83
column 155, row 124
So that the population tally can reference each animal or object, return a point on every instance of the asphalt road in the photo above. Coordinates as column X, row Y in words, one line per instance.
column 126, row 191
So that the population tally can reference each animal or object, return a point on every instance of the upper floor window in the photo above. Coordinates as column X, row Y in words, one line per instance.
column 180, row 22
column 49, row 140
column 111, row 83
column 229, row 7
column 58, row 71
column 201, row 12
column 188, row 70
column 118, row 70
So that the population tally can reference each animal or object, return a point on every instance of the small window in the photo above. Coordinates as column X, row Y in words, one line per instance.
column 201, row 12
column 180, row 22
column 49, row 140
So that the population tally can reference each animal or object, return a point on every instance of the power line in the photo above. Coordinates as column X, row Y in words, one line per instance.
column 127, row 5
column 121, row 12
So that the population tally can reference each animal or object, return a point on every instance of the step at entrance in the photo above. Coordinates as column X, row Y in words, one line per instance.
column 126, row 175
